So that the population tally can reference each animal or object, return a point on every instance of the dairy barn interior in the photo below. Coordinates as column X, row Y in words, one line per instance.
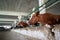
column 29, row 19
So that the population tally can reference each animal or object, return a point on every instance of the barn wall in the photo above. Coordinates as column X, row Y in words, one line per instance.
column 54, row 9
column 18, row 5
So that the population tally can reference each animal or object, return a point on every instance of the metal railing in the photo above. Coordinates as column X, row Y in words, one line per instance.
column 47, row 4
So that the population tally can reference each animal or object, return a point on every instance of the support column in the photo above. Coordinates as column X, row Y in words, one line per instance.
column 19, row 17
column 40, row 3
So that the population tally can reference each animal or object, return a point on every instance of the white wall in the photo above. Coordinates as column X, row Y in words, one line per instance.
column 54, row 9
column 12, row 13
column 40, row 3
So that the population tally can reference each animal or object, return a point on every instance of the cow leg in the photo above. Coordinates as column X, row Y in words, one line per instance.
column 50, row 27
column 51, row 30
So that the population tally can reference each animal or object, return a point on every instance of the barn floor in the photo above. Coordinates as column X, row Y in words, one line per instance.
column 11, row 35
column 31, row 33
column 42, row 33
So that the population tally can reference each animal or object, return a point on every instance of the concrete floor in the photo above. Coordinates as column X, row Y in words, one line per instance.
column 9, row 35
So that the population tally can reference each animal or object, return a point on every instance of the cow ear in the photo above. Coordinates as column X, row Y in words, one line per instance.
column 37, row 13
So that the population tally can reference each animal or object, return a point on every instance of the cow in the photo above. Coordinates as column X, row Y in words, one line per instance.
column 45, row 19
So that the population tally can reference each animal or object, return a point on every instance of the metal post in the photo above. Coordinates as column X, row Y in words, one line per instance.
column 40, row 3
